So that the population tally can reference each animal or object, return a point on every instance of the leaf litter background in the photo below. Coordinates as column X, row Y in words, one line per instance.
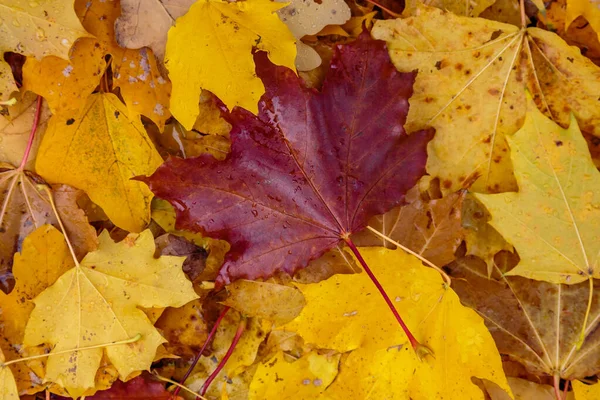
column 286, row 130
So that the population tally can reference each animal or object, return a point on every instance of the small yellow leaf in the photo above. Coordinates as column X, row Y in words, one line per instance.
column 99, row 151
column 8, row 386
column 590, row 9
column 35, row 29
column 345, row 313
column 277, row 303
column 302, row 379
column 225, row 34
column 586, row 392
column 553, row 220
column 43, row 259
column 98, row 302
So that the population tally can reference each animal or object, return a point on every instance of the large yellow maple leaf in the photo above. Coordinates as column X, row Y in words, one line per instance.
column 36, row 29
column 344, row 313
column 97, row 303
column 553, row 220
column 99, row 152
column 471, row 88
column 219, row 59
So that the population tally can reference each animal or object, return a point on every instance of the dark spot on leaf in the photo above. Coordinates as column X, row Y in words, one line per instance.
column 447, row 184
column 70, row 121
column 458, row 66
column 558, row 143
column 117, row 114
column 496, row 34
column 494, row 92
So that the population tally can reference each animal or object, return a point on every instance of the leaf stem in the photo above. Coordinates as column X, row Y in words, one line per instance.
column 97, row 346
column 523, row 16
column 62, row 227
column 420, row 349
column 409, row 251
column 587, row 314
column 557, row 387
column 178, row 385
column 34, row 126
column 387, row 10
column 566, row 389
column 206, row 342
column 234, row 342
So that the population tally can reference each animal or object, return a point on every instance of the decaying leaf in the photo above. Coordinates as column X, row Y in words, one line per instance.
column 277, row 303
column 471, row 88
column 553, row 220
column 225, row 34
column 344, row 313
column 184, row 328
column 535, row 323
column 99, row 151
column 25, row 206
column 280, row 199
column 307, row 18
column 305, row 378
column 15, row 128
column 96, row 303
column 145, row 23
column 431, row 228
column 35, row 29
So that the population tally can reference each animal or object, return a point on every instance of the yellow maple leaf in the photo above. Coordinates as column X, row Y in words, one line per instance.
column 37, row 29
column 589, row 9
column 553, row 220
column 66, row 84
column 586, row 392
column 344, row 313
column 8, row 386
column 96, row 303
column 471, row 88
column 219, row 59
column 302, row 379
column 44, row 257
column 99, row 152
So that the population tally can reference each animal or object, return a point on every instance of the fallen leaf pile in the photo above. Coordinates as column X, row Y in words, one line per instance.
column 268, row 199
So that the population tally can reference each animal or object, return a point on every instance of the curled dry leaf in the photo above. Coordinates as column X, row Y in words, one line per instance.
column 96, row 303
column 99, row 151
column 225, row 34
column 310, row 169
column 277, row 303
column 553, row 220
column 307, row 18
column 535, row 323
column 15, row 127
column 344, row 314
column 305, row 378
column 35, row 30
column 26, row 206
column 483, row 68
column 144, row 23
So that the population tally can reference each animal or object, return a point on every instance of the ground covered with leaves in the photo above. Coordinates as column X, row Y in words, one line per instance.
column 333, row 199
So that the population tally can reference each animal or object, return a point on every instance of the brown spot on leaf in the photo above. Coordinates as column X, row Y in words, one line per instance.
column 447, row 184
column 494, row 92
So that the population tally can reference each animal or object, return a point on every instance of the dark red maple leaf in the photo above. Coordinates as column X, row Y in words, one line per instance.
column 138, row 388
column 309, row 170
